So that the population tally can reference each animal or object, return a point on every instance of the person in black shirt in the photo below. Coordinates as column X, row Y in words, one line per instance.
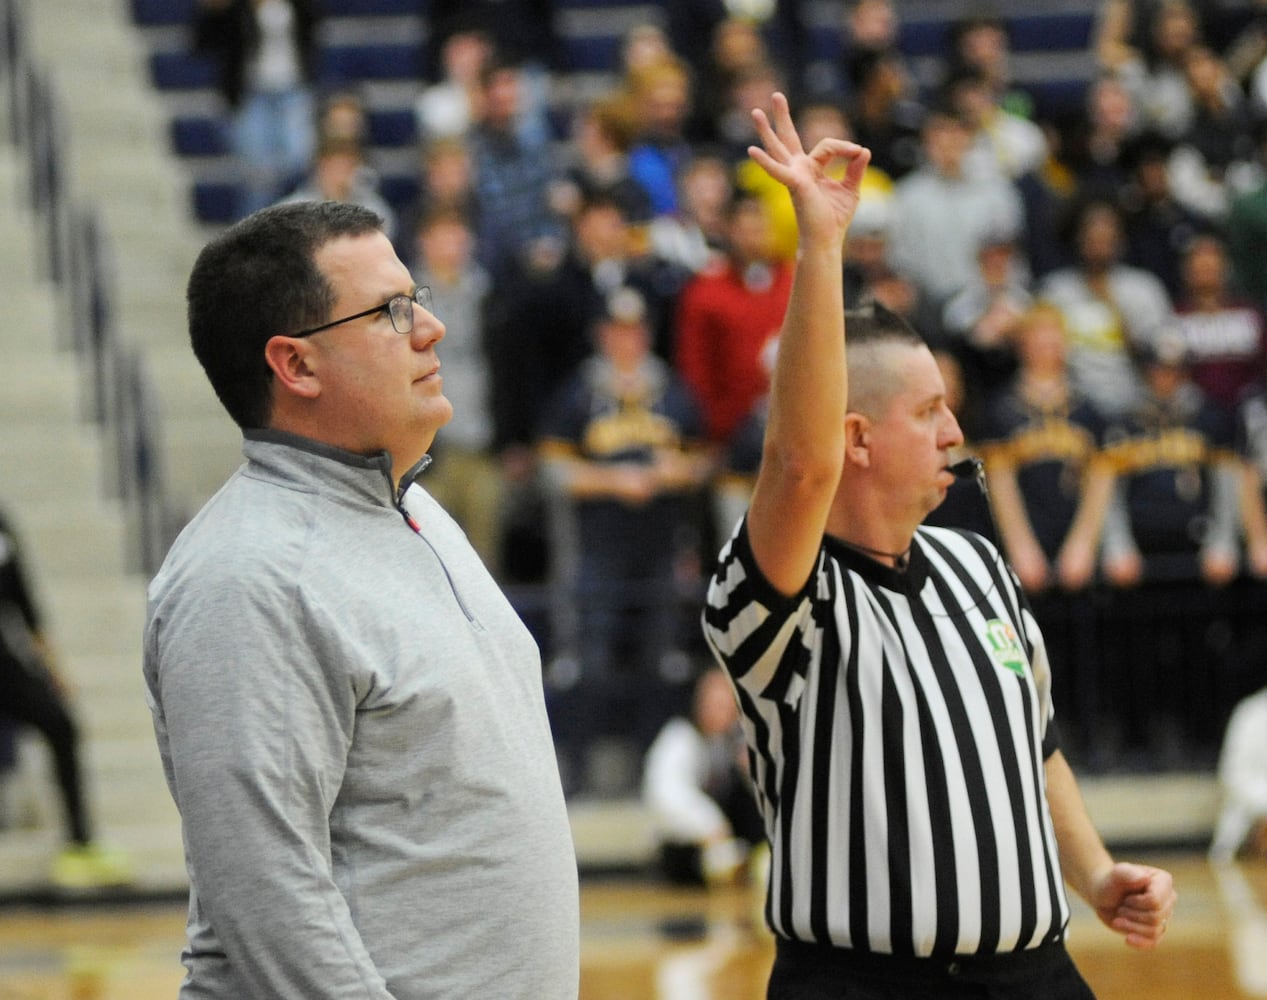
column 36, row 696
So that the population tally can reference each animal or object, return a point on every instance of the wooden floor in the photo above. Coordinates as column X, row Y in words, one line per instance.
column 643, row 942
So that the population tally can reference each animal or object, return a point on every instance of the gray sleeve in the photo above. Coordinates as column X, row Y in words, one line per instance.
column 1116, row 538
column 1225, row 508
column 259, row 730
column 1145, row 307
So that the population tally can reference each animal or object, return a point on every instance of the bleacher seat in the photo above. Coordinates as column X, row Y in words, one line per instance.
column 1048, row 32
column 923, row 38
column 372, row 8
column 399, row 190
column 591, row 54
column 392, row 126
column 340, row 65
column 362, row 46
column 177, row 69
column 157, row 13
column 1054, row 99
column 199, row 135
column 216, row 201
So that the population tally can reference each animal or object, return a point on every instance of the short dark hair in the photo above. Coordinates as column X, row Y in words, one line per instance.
column 874, row 323
column 256, row 280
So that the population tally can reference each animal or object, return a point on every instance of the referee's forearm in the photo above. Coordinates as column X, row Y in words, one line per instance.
column 1083, row 857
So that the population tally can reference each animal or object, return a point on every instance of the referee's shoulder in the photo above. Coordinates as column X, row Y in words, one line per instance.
column 960, row 541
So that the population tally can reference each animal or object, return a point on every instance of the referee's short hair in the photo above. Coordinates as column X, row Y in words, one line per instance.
column 871, row 380
column 873, row 322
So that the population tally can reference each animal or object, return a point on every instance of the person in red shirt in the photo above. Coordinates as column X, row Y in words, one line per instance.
column 728, row 322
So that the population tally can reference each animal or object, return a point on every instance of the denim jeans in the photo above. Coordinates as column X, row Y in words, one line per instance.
column 273, row 138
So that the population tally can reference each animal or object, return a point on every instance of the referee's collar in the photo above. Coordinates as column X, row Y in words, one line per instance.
column 910, row 580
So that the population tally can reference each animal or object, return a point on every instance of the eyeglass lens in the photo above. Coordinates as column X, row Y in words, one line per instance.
column 401, row 308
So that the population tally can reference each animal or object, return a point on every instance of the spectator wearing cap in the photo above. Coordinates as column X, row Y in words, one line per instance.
column 622, row 455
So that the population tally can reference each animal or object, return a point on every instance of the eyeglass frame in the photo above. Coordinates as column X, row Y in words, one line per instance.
column 421, row 296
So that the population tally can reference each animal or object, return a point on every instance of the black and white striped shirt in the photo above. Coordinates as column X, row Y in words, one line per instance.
column 897, row 724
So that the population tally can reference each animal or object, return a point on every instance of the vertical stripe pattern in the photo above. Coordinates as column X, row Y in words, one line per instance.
column 897, row 725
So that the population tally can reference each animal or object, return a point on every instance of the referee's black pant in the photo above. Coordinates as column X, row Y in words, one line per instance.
column 817, row 972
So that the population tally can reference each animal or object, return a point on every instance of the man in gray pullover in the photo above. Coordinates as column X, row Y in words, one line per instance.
column 349, row 713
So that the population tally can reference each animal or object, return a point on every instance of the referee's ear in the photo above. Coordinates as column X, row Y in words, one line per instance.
column 857, row 440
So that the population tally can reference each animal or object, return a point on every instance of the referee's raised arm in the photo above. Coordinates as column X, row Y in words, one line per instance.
column 805, row 435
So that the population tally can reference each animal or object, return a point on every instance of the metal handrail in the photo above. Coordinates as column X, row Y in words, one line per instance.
column 78, row 257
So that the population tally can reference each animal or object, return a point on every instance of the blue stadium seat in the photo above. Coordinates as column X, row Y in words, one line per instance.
column 393, row 127
column 199, row 135
column 1050, row 32
column 591, row 53
column 216, row 201
column 924, row 38
column 182, row 71
column 1054, row 99
column 823, row 42
column 563, row 5
column 153, row 13
column 399, row 190
column 344, row 64
column 371, row 8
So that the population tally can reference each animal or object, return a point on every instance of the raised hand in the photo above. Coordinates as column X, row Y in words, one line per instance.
column 824, row 205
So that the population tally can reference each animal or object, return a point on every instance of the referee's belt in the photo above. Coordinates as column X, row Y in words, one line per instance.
column 1008, row 966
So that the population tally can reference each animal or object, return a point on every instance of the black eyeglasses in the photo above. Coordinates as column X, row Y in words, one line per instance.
column 399, row 307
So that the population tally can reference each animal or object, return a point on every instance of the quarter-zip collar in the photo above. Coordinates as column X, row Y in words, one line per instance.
column 301, row 459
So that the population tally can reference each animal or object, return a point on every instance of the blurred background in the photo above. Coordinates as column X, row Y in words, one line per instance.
column 532, row 160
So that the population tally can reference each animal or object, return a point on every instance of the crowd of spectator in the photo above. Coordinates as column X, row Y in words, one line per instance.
column 613, row 287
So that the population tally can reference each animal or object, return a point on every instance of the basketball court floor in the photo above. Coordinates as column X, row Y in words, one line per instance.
column 641, row 941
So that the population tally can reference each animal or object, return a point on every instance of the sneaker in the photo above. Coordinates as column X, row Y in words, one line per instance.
column 91, row 866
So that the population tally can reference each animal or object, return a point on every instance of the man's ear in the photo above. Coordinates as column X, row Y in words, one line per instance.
column 857, row 439
column 288, row 357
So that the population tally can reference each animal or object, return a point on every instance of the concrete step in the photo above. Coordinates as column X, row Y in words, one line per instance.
column 155, row 853
column 119, row 164
column 37, row 458
column 155, row 322
column 181, row 384
column 131, row 186
column 89, row 39
column 68, row 538
column 41, row 386
column 93, row 617
column 199, row 454
column 20, row 262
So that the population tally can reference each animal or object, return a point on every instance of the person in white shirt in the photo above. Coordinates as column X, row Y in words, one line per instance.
column 696, row 786
column 1242, row 822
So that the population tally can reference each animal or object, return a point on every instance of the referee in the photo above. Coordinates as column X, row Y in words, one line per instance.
column 894, row 687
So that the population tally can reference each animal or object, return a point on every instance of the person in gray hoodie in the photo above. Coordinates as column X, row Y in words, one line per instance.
column 349, row 712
